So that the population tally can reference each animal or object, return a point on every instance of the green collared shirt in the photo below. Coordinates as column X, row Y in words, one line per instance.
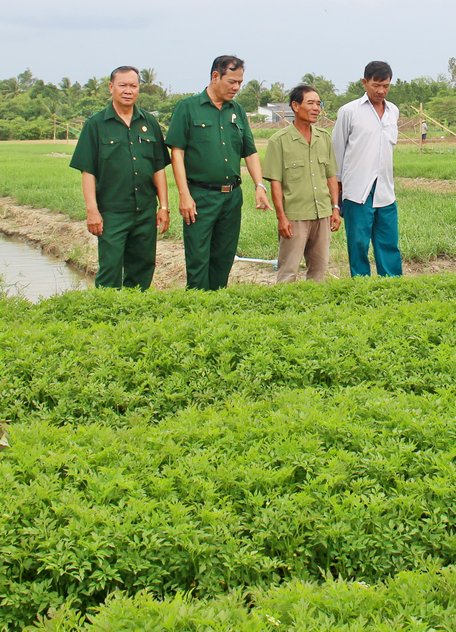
column 303, row 171
column 123, row 159
column 213, row 140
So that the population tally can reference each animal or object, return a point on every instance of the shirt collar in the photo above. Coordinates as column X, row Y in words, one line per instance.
column 205, row 98
column 296, row 134
column 365, row 99
column 111, row 113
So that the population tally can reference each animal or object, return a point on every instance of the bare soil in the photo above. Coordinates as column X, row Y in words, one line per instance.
column 69, row 240
column 426, row 184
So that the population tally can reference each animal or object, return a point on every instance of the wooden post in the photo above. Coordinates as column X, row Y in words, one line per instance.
column 55, row 128
column 429, row 118
column 67, row 133
column 421, row 123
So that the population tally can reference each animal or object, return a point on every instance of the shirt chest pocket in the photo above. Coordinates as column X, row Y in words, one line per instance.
column 109, row 147
column 390, row 132
column 147, row 145
column 294, row 170
column 203, row 131
column 237, row 134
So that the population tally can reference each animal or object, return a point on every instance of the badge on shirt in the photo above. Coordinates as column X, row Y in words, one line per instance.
column 144, row 128
column 233, row 118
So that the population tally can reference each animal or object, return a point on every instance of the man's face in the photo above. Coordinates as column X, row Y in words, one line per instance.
column 227, row 86
column 124, row 88
column 376, row 89
column 309, row 110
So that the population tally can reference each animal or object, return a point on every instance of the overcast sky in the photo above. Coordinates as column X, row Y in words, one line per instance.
column 280, row 40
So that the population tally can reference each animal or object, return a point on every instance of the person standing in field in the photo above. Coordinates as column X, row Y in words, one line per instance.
column 122, row 156
column 424, row 129
column 301, row 166
column 208, row 135
column 364, row 138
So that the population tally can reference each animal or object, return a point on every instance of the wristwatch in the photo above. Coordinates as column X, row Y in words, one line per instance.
column 260, row 184
column 336, row 206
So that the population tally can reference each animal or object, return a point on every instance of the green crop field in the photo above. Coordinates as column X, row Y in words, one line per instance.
column 38, row 175
column 254, row 459
column 249, row 460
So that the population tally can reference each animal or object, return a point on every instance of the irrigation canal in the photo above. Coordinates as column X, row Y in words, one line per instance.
column 25, row 271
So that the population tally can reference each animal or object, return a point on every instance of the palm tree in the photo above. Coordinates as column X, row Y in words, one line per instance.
column 148, row 76
column 10, row 88
column 92, row 87
column 65, row 84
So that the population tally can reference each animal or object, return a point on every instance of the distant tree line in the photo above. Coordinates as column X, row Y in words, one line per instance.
column 32, row 109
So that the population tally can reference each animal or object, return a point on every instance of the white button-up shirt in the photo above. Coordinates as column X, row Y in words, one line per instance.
column 363, row 143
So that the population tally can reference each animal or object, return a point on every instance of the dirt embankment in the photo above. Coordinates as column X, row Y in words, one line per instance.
column 68, row 240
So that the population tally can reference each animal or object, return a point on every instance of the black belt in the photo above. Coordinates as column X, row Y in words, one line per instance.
column 223, row 188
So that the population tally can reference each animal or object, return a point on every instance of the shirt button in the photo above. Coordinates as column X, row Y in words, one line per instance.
column 223, row 142
column 226, row 177
column 136, row 188
column 111, row 141
column 226, row 159
column 221, row 126
column 131, row 142
column 136, row 173
column 315, row 188
column 203, row 125
column 134, row 157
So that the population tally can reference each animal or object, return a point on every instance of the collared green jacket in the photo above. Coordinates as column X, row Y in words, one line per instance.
column 123, row 159
column 213, row 140
column 303, row 170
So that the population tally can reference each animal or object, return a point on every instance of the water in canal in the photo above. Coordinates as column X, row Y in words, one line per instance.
column 25, row 271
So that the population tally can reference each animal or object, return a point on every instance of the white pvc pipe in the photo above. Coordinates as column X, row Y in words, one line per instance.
column 273, row 262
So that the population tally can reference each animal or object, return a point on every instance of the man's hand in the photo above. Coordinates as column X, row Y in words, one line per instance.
column 261, row 199
column 94, row 222
column 187, row 208
column 335, row 220
column 284, row 227
column 162, row 220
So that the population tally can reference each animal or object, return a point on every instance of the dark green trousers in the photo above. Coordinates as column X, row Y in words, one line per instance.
column 126, row 249
column 211, row 242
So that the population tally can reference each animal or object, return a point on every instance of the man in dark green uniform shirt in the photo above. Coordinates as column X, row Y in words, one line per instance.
column 209, row 134
column 122, row 156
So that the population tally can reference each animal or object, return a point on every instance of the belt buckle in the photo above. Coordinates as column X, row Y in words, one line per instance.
column 226, row 188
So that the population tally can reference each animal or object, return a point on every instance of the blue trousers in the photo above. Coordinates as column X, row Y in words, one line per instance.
column 363, row 224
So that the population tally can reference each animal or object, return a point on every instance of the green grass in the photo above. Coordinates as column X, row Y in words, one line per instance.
column 435, row 161
column 31, row 175
column 224, row 461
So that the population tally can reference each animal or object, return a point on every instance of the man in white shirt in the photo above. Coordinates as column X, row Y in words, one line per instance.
column 364, row 138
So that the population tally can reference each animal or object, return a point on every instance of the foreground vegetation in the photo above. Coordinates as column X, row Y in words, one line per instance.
column 252, row 459
column 38, row 175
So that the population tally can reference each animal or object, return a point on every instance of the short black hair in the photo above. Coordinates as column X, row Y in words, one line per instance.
column 226, row 62
column 379, row 70
column 297, row 93
column 121, row 69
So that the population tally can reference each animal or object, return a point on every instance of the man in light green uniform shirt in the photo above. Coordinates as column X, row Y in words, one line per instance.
column 208, row 135
column 301, row 166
